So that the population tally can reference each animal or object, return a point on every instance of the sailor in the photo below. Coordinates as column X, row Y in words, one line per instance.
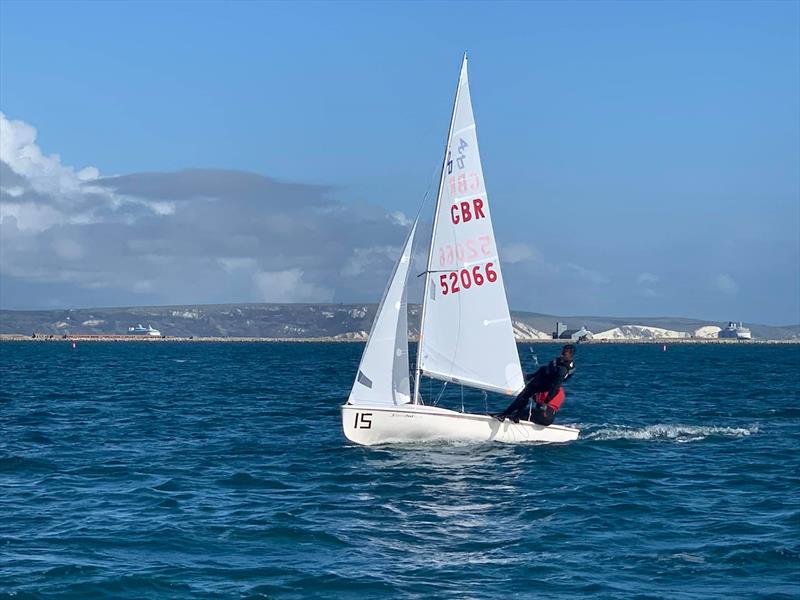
column 544, row 386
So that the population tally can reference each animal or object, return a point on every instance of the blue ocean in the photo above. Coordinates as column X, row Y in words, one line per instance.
column 195, row 470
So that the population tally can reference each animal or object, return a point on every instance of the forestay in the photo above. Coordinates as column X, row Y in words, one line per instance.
column 466, row 333
column 382, row 377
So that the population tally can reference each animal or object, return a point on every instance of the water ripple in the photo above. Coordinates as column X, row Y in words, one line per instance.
column 208, row 471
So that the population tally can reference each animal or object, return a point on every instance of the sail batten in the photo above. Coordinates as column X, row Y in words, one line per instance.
column 466, row 333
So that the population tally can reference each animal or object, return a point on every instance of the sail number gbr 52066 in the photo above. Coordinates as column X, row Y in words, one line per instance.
column 452, row 282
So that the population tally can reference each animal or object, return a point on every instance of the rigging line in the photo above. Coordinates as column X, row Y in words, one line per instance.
column 417, row 374
column 439, row 397
column 431, row 181
column 422, row 206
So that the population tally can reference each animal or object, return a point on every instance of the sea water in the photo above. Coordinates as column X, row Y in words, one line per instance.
column 180, row 470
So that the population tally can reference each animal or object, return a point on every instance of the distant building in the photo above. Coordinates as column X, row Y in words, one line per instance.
column 736, row 331
column 576, row 335
column 560, row 328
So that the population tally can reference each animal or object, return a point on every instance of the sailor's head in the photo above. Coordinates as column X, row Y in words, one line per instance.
column 568, row 351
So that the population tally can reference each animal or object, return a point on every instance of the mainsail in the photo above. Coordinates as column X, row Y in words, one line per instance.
column 466, row 334
column 382, row 377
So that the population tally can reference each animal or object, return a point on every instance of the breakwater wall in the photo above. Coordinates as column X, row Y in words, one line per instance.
column 144, row 339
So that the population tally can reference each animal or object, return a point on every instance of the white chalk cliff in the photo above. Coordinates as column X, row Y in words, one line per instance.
column 639, row 332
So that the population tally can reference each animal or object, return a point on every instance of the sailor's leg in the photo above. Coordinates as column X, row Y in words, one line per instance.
column 523, row 412
column 521, row 401
column 543, row 415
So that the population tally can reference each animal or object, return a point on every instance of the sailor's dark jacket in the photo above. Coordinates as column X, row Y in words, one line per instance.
column 550, row 377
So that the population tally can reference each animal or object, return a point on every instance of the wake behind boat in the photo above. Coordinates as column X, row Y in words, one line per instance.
column 466, row 335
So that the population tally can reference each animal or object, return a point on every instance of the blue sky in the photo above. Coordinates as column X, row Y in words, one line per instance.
column 641, row 158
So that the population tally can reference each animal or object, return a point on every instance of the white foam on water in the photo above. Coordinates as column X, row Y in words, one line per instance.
column 664, row 432
column 394, row 509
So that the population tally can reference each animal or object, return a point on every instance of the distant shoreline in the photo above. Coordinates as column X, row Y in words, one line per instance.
column 329, row 323
column 6, row 337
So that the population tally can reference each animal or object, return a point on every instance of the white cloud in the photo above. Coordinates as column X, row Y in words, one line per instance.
column 288, row 286
column 400, row 218
column 519, row 252
column 40, row 192
column 589, row 275
column 362, row 259
column 68, row 249
column 30, row 217
column 237, row 263
column 14, row 191
column 649, row 293
column 18, row 149
column 645, row 278
column 724, row 283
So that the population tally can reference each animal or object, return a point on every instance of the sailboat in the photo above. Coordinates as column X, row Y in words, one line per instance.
column 466, row 336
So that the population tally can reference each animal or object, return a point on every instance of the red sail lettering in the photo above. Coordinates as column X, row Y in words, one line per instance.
column 466, row 215
column 478, row 204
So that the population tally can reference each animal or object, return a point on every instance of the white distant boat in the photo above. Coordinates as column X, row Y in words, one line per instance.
column 736, row 331
column 141, row 330
column 466, row 335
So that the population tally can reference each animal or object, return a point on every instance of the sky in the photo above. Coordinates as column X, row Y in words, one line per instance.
column 641, row 158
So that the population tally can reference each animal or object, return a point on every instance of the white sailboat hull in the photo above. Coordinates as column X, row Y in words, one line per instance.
column 371, row 425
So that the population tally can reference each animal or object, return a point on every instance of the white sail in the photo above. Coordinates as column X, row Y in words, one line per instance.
column 466, row 334
column 382, row 377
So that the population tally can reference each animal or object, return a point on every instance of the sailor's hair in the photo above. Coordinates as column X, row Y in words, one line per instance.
column 570, row 347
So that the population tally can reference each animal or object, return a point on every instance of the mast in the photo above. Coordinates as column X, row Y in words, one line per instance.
column 418, row 370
